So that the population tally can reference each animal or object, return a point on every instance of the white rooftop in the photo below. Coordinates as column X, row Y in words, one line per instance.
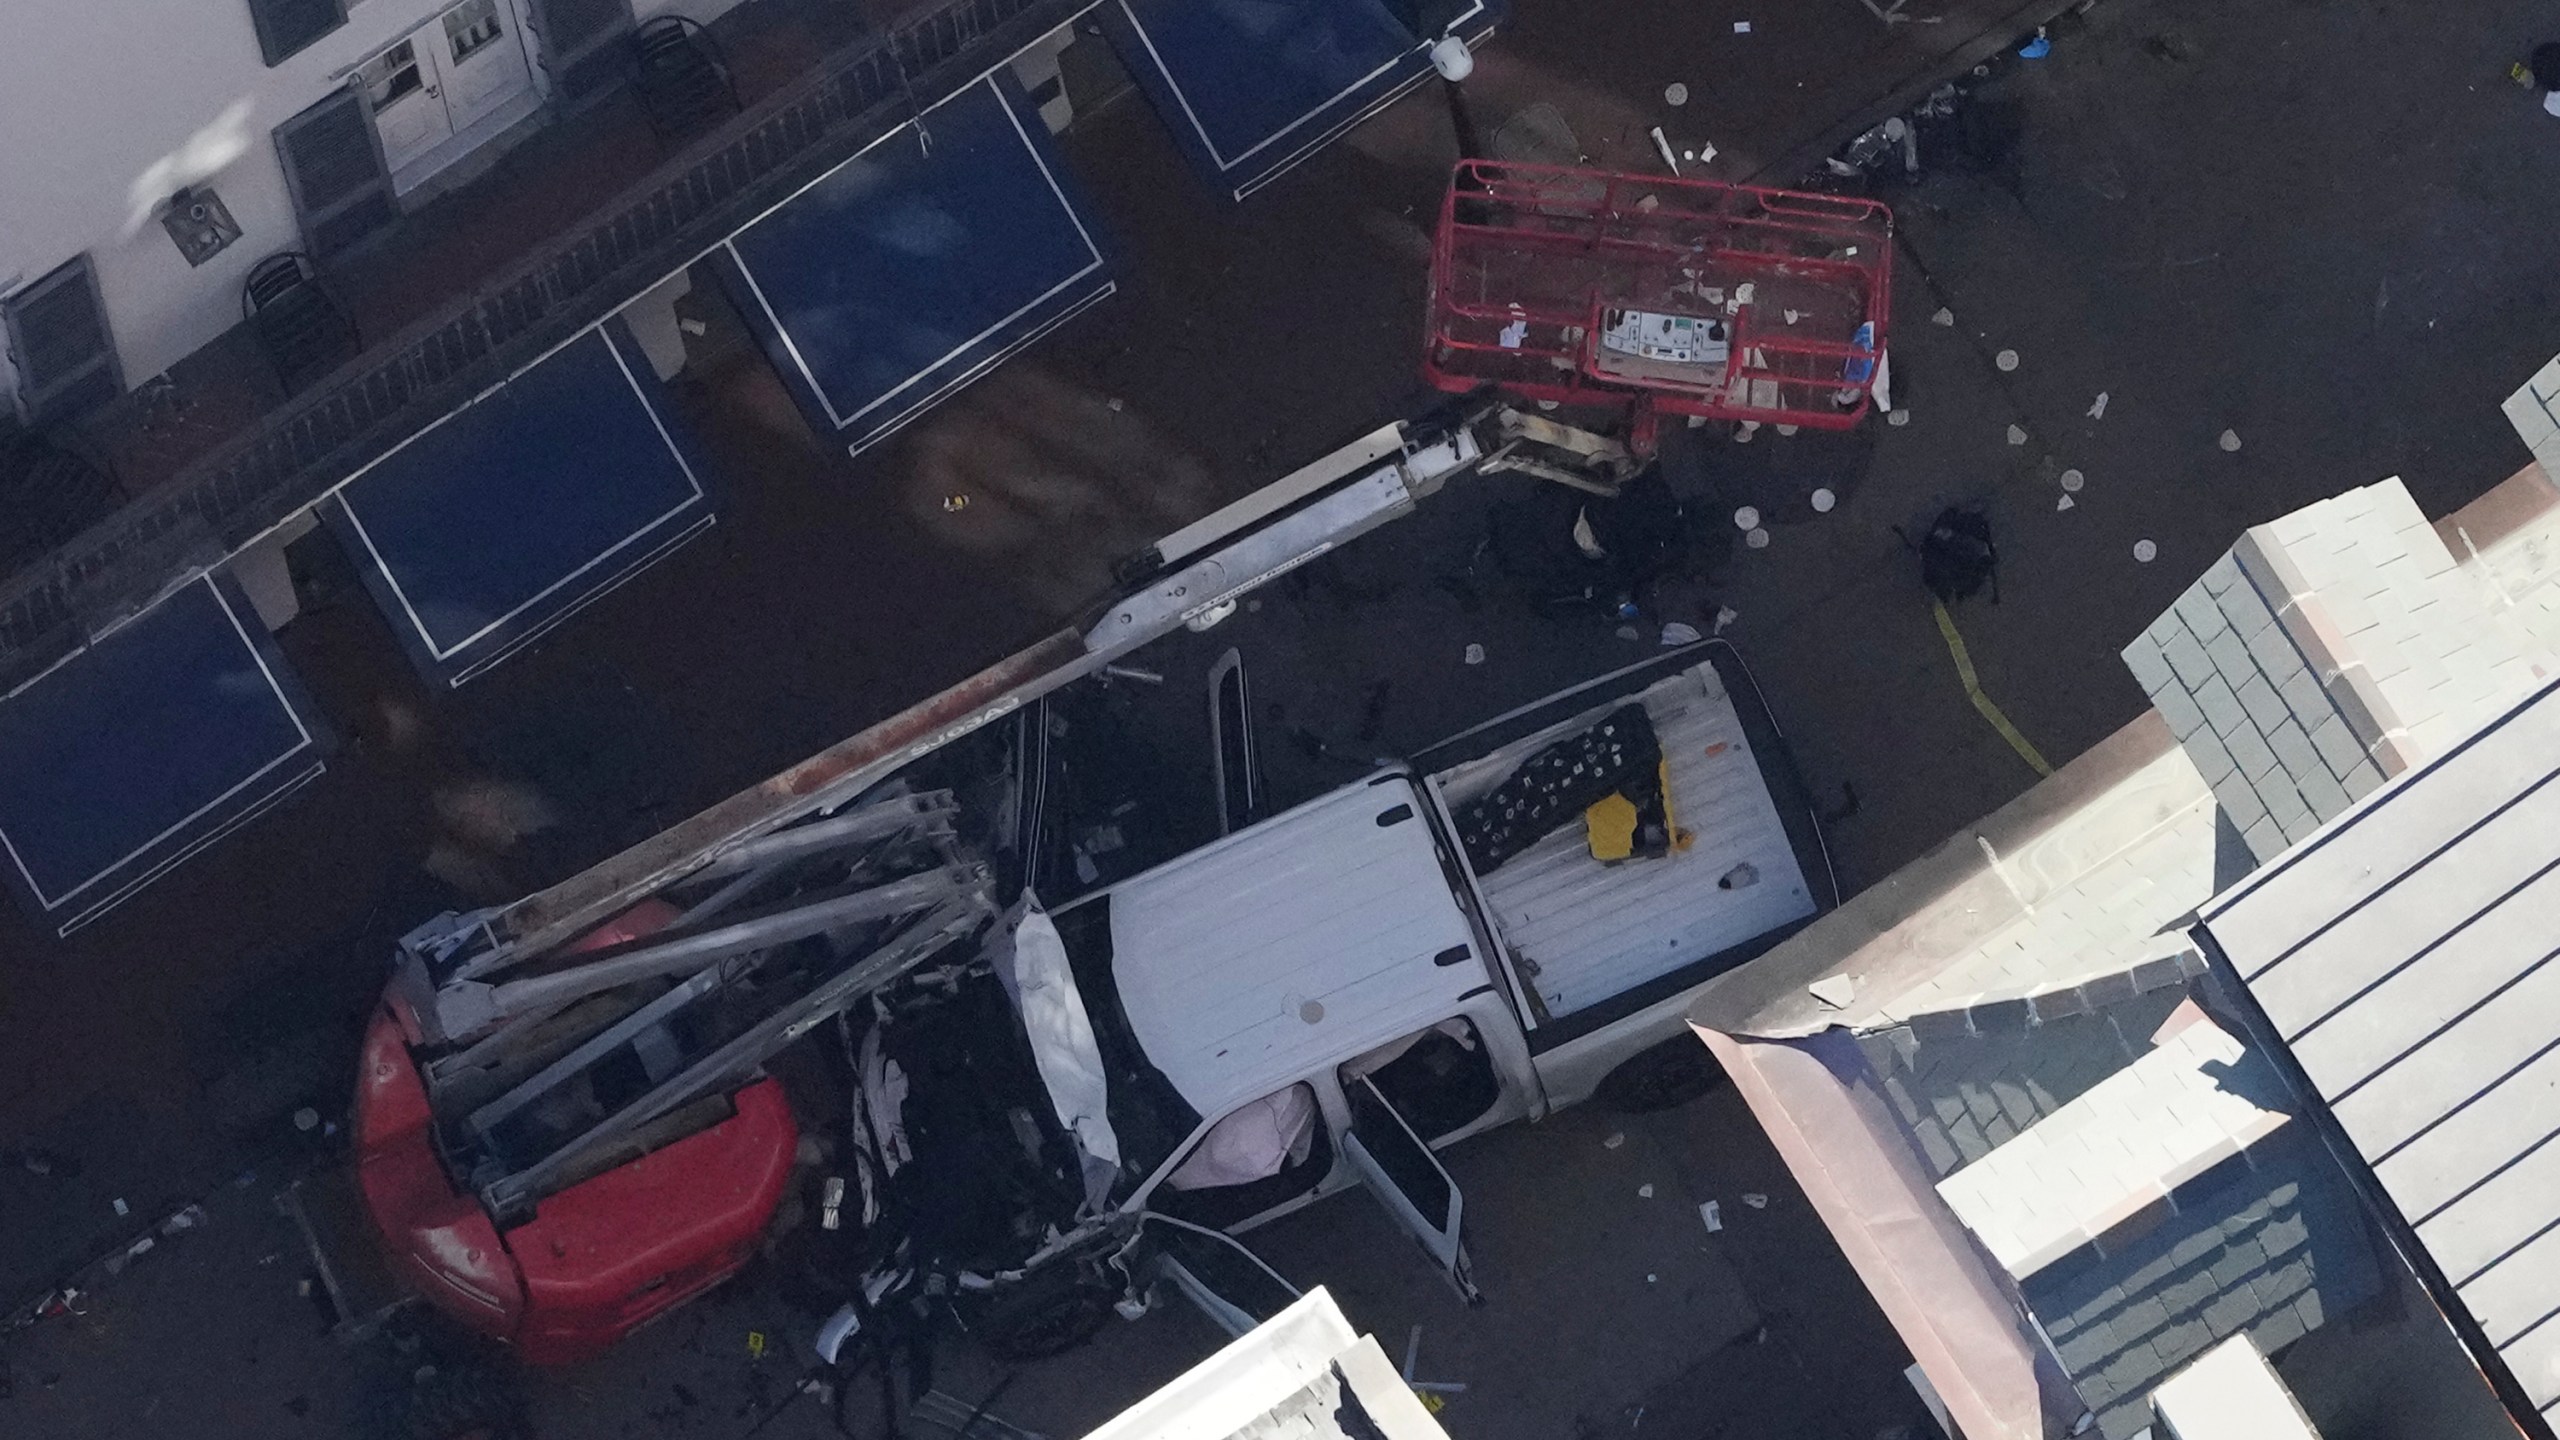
column 2117, row 1150
column 2409, row 956
column 1322, row 932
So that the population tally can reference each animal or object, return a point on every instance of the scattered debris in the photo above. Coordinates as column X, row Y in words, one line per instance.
column 2145, row 552
column 693, row 327
column 2230, row 442
column 1740, row 877
column 1741, row 27
column 2007, row 360
column 1647, row 206
column 1897, row 418
column 1475, row 653
column 306, row 1119
column 2098, row 407
column 1616, row 1139
column 1713, row 1214
column 2038, row 48
column 1725, row 616
column 1652, row 1279
column 2072, row 480
column 185, row 1220
column 1665, row 147
column 755, row 1344
column 2065, row 503
column 2017, row 435
column 1675, row 94
column 1746, row 518
column 1835, row 991
column 954, row 504
column 1628, row 632
column 1823, row 500
column 1743, row 432
column 1118, row 404
column 1784, row 429
column 1944, row 316
column 1132, row 672
column 1756, row 1200
column 37, row 1161
column 1645, row 1191
column 1756, row 539
column 121, row 1207
column 1792, row 316
column 1678, row 633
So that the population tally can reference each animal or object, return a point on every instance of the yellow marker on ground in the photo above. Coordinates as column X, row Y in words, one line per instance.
column 1982, row 702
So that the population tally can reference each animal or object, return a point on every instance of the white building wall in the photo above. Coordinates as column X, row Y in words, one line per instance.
column 95, row 93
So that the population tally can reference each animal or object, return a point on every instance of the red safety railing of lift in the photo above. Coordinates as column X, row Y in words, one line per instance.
column 1665, row 296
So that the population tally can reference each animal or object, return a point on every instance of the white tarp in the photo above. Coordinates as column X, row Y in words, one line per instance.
column 1053, row 1016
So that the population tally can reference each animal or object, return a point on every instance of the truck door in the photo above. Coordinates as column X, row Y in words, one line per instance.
column 1408, row 1179
column 1215, row 1272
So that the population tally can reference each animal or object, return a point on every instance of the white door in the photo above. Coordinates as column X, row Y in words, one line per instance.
column 464, row 67
column 482, row 58
column 407, row 94
column 1408, row 1179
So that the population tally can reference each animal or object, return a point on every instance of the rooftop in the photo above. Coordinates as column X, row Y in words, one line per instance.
column 2405, row 957
column 1241, row 964
column 2014, row 1088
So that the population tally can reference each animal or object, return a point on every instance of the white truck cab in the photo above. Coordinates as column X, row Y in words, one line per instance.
column 1326, row 997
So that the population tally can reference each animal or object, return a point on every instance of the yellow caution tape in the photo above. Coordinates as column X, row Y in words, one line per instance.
column 1982, row 702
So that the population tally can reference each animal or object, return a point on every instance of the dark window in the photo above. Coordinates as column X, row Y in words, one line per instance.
column 1407, row 1162
column 1441, row 1082
column 333, row 164
column 58, row 340
column 285, row 26
column 582, row 44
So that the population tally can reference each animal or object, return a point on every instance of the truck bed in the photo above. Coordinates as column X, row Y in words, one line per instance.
column 1582, row 931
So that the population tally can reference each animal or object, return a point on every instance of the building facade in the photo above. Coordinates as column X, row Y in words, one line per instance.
column 162, row 151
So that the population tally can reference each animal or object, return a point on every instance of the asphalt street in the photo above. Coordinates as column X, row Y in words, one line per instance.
column 2321, row 226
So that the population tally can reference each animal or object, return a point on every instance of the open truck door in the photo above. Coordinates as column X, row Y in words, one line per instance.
column 1409, row 1180
column 1215, row 1272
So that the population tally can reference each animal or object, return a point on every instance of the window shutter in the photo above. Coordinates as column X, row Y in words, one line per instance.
column 584, row 45
column 285, row 26
column 58, row 340
column 333, row 162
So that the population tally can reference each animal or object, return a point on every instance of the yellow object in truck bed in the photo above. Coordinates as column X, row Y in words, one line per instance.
column 1612, row 823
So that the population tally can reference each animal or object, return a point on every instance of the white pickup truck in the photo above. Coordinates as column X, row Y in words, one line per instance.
column 1324, row 998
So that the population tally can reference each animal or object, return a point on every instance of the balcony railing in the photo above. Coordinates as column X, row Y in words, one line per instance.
column 289, row 459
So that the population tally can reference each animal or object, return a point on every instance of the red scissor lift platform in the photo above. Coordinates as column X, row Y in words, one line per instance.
column 1666, row 296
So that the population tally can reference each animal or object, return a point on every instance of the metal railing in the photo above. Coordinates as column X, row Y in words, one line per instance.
column 293, row 456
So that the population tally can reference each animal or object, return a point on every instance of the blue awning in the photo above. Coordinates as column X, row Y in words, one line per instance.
column 1251, row 87
column 143, row 748
column 506, row 517
column 917, row 265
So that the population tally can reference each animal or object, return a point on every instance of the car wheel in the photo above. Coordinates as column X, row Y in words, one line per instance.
column 1046, row 1318
column 1674, row 1072
column 462, row 1402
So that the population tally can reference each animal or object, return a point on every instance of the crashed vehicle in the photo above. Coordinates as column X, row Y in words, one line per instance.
column 1508, row 924
column 831, row 1019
